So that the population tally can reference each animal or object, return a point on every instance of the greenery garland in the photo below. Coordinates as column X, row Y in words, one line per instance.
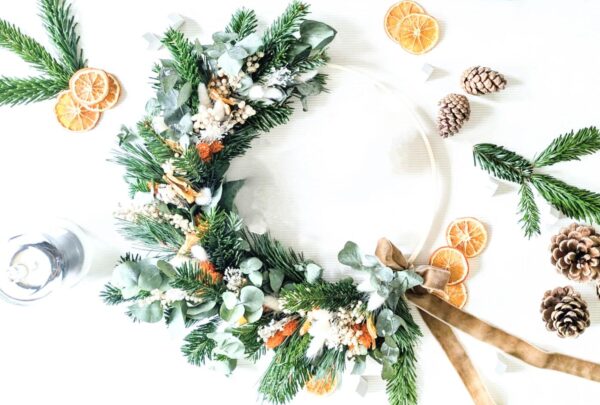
column 575, row 203
column 61, row 28
column 245, row 294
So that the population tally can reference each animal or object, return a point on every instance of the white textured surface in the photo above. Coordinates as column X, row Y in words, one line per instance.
column 74, row 350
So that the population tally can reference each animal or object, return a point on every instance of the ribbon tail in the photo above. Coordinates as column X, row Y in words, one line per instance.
column 459, row 358
column 504, row 341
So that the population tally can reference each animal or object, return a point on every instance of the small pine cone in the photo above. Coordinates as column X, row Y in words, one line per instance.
column 478, row 80
column 565, row 312
column 576, row 253
column 454, row 111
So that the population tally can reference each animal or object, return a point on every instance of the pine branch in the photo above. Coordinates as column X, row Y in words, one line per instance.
column 15, row 91
column 571, row 146
column 331, row 363
column 243, row 23
column 198, row 346
column 324, row 295
column 155, row 144
column 502, row 163
column 185, row 57
column 139, row 163
column 269, row 116
column 573, row 202
column 238, row 145
column 288, row 372
column 530, row 213
column 31, row 51
column 402, row 389
column 153, row 234
column 111, row 295
column 275, row 256
column 223, row 240
column 194, row 281
column 248, row 334
column 61, row 27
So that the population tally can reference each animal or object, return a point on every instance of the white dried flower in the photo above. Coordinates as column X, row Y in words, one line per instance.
column 234, row 280
column 204, row 197
column 199, row 253
column 278, row 77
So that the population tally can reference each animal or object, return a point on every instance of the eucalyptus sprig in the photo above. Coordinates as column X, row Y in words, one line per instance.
column 62, row 30
column 575, row 203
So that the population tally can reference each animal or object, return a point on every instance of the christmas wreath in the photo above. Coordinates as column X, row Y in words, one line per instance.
column 245, row 294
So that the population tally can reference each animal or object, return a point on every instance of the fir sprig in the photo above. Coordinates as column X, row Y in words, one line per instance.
column 243, row 23
column 575, row 203
column 329, row 296
column 275, row 255
column 153, row 234
column 198, row 346
column 185, row 57
column 61, row 28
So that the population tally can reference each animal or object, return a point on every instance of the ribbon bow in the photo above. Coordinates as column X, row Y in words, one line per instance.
column 440, row 316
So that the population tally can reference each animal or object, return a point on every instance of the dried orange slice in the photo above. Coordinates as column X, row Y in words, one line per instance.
column 73, row 115
column 114, row 92
column 322, row 386
column 454, row 294
column 452, row 260
column 89, row 86
column 396, row 13
column 417, row 33
column 467, row 235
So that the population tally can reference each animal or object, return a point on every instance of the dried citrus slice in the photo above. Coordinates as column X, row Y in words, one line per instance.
column 452, row 260
column 114, row 91
column 467, row 235
column 454, row 294
column 396, row 13
column 322, row 386
column 89, row 86
column 73, row 115
column 417, row 33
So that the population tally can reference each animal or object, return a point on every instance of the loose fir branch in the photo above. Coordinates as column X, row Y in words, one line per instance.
column 575, row 203
column 61, row 28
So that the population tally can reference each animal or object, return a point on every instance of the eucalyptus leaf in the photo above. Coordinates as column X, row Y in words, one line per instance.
column 231, row 315
column 204, row 307
column 389, row 350
column 178, row 314
column 409, row 279
column 147, row 313
column 216, row 50
column 230, row 190
column 387, row 323
column 256, row 278
column 252, row 298
column 384, row 274
column 253, row 316
column 230, row 65
column 166, row 268
column 229, row 299
column 150, row 278
column 168, row 82
column 237, row 52
column 204, row 315
column 360, row 364
column 251, row 43
column 299, row 51
column 316, row 34
column 250, row 265
column 126, row 275
column 387, row 371
column 313, row 273
column 230, row 346
column 130, row 292
column 184, row 94
column 276, row 277
column 350, row 255
column 310, row 89
column 223, row 37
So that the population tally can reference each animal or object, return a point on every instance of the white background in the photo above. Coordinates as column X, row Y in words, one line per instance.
column 350, row 168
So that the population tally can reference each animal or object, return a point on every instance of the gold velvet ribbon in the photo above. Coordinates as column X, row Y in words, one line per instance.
column 440, row 316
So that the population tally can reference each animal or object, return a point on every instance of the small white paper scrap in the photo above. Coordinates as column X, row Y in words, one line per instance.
column 362, row 387
column 501, row 364
column 174, row 21
column 426, row 71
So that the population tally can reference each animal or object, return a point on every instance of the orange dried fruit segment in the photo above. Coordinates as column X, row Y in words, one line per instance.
column 322, row 386
column 467, row 235
column 452, row 260
column 396, row 13
column 89, row 86
column 72, row 115
column 454, row 294
column 111, row 99
column 417, row 33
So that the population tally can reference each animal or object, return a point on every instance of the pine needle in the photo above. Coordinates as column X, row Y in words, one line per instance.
column 243, row 23
column 14, row 91
column 501, row 162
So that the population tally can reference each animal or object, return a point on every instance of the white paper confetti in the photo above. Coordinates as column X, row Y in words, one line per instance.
column 426, row 71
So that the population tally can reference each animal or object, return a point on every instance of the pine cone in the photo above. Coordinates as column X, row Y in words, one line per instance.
column 576, row 253
column 454, row 111
column 478, row 80
column 565, row 312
